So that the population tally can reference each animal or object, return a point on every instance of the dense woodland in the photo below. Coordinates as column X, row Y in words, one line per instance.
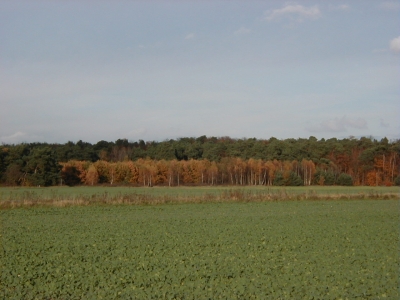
column 204, row 161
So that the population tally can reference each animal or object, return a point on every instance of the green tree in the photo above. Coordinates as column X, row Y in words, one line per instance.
column 279, row 180
column 13, row 175
column 14, row 163
column 42, row 168
column 345, row 179
column 3, row 165
column 195, row 151
column 294, row 180
column 214, row 151
column 328, row 177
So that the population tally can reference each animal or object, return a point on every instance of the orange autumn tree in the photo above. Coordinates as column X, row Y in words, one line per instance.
column 378, row 167
column 161, row 176
column 384, row 171
column 74, row 171
column 213, row 172
column 309, row 169
column 92, row 177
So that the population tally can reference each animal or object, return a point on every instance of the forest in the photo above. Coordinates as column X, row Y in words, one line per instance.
column 204, row 161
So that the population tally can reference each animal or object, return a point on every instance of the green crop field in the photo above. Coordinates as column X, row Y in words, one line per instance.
column 334, row 249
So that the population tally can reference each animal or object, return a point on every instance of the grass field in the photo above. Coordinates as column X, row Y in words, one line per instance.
column 264, row 250
column 59, row 196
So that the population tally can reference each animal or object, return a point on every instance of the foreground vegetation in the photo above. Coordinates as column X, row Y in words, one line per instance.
column 278, row 250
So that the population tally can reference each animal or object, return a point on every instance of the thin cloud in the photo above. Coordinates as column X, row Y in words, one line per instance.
column 137, row 133
column 242, row 30
column 18, row 134
column 395, row 45
column 341, row 7
column 338, row 125
column 293, row 11
column 190, row 36
column 383, row 123
column 390, row 5
column 379, row 50
column 19, row 137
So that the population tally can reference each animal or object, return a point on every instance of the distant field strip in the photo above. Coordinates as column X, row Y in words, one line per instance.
column 270, row 250
column 66, row 196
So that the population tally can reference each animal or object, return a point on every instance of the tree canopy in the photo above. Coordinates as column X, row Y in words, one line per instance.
column 364, row 161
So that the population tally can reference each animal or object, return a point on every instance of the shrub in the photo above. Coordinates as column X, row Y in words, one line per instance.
column 345, row 179
column 294, row 180
column 278, row 180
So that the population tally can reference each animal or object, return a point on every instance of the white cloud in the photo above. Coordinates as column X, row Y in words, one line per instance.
column 395, row 45
column 294, row 11
column 190, row 36
column 338, row 125
column 242, row 30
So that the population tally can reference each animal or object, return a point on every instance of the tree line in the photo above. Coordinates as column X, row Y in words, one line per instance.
column 204, row 160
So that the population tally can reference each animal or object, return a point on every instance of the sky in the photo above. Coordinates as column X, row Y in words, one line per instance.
column 156, row 70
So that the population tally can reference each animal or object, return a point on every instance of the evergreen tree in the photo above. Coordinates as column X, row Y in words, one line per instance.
column 42, row 168
column 345, row 179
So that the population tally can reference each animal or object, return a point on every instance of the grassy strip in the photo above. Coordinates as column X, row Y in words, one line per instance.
column 53, row 192
column 32, row 199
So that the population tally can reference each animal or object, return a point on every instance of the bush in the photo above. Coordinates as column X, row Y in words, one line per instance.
column 328, row 177
column 345, row 179
column 294, row 180
column 278, row 180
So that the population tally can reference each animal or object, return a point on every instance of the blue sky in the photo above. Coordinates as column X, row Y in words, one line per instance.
column 155, row 70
